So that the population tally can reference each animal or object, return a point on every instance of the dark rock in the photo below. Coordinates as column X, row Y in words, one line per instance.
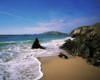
column 88, row 59
column 96, row 63
column 36, row 44
column 63, row 55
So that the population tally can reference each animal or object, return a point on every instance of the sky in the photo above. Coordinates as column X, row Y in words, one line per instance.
column 37, row 16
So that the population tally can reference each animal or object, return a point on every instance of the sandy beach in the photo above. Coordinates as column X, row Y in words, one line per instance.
column 76, row 68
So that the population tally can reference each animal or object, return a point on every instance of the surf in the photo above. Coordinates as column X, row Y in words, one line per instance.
column 19, row 62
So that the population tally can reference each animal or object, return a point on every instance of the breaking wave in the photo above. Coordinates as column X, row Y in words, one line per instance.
column 19, row 62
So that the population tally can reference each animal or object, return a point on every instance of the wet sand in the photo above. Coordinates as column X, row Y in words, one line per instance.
column 55, row 68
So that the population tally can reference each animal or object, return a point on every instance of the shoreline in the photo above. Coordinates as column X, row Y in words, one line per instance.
column 75, row 68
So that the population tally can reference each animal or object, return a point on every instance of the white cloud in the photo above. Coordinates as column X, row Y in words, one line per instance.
column 39, row 29
column 61, row 25
column 54, row 25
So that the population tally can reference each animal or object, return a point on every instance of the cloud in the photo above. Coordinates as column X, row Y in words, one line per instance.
column 62, row 25
column 39, row 29
column 53, row 25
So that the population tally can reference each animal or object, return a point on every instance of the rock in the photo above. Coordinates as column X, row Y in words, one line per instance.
column 36, row 44
column 96, row 63
column 63, row 55
column 86, row 43
column 88, row 59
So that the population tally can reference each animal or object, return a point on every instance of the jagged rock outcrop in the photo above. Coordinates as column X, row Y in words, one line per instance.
column 86, row 43
column 36, row 44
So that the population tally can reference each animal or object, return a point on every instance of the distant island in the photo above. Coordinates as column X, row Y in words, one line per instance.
column 54, row 32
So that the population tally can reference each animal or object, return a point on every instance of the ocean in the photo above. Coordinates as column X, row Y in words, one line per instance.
column 19, row 62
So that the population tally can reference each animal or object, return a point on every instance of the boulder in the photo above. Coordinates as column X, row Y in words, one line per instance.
column 63, row 55
column 36, row 44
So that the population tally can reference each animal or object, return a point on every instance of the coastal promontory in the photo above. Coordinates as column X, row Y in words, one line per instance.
column 86, row 43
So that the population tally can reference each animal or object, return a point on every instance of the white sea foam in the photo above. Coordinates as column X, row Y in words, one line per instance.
column 23, row 64
column 26, row 69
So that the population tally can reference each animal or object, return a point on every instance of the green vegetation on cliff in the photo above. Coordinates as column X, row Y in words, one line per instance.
column 86, row 43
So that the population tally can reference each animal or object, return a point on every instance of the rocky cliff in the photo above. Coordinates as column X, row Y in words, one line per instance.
column 86, row 43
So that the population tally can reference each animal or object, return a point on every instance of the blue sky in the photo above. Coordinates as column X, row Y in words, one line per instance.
column 37, row 16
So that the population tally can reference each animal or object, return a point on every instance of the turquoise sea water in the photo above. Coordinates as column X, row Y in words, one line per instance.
column 25, row 39
column 18, row 61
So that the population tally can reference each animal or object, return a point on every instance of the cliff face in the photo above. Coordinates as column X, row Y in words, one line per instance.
column 80, row 30
column 86, row 43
